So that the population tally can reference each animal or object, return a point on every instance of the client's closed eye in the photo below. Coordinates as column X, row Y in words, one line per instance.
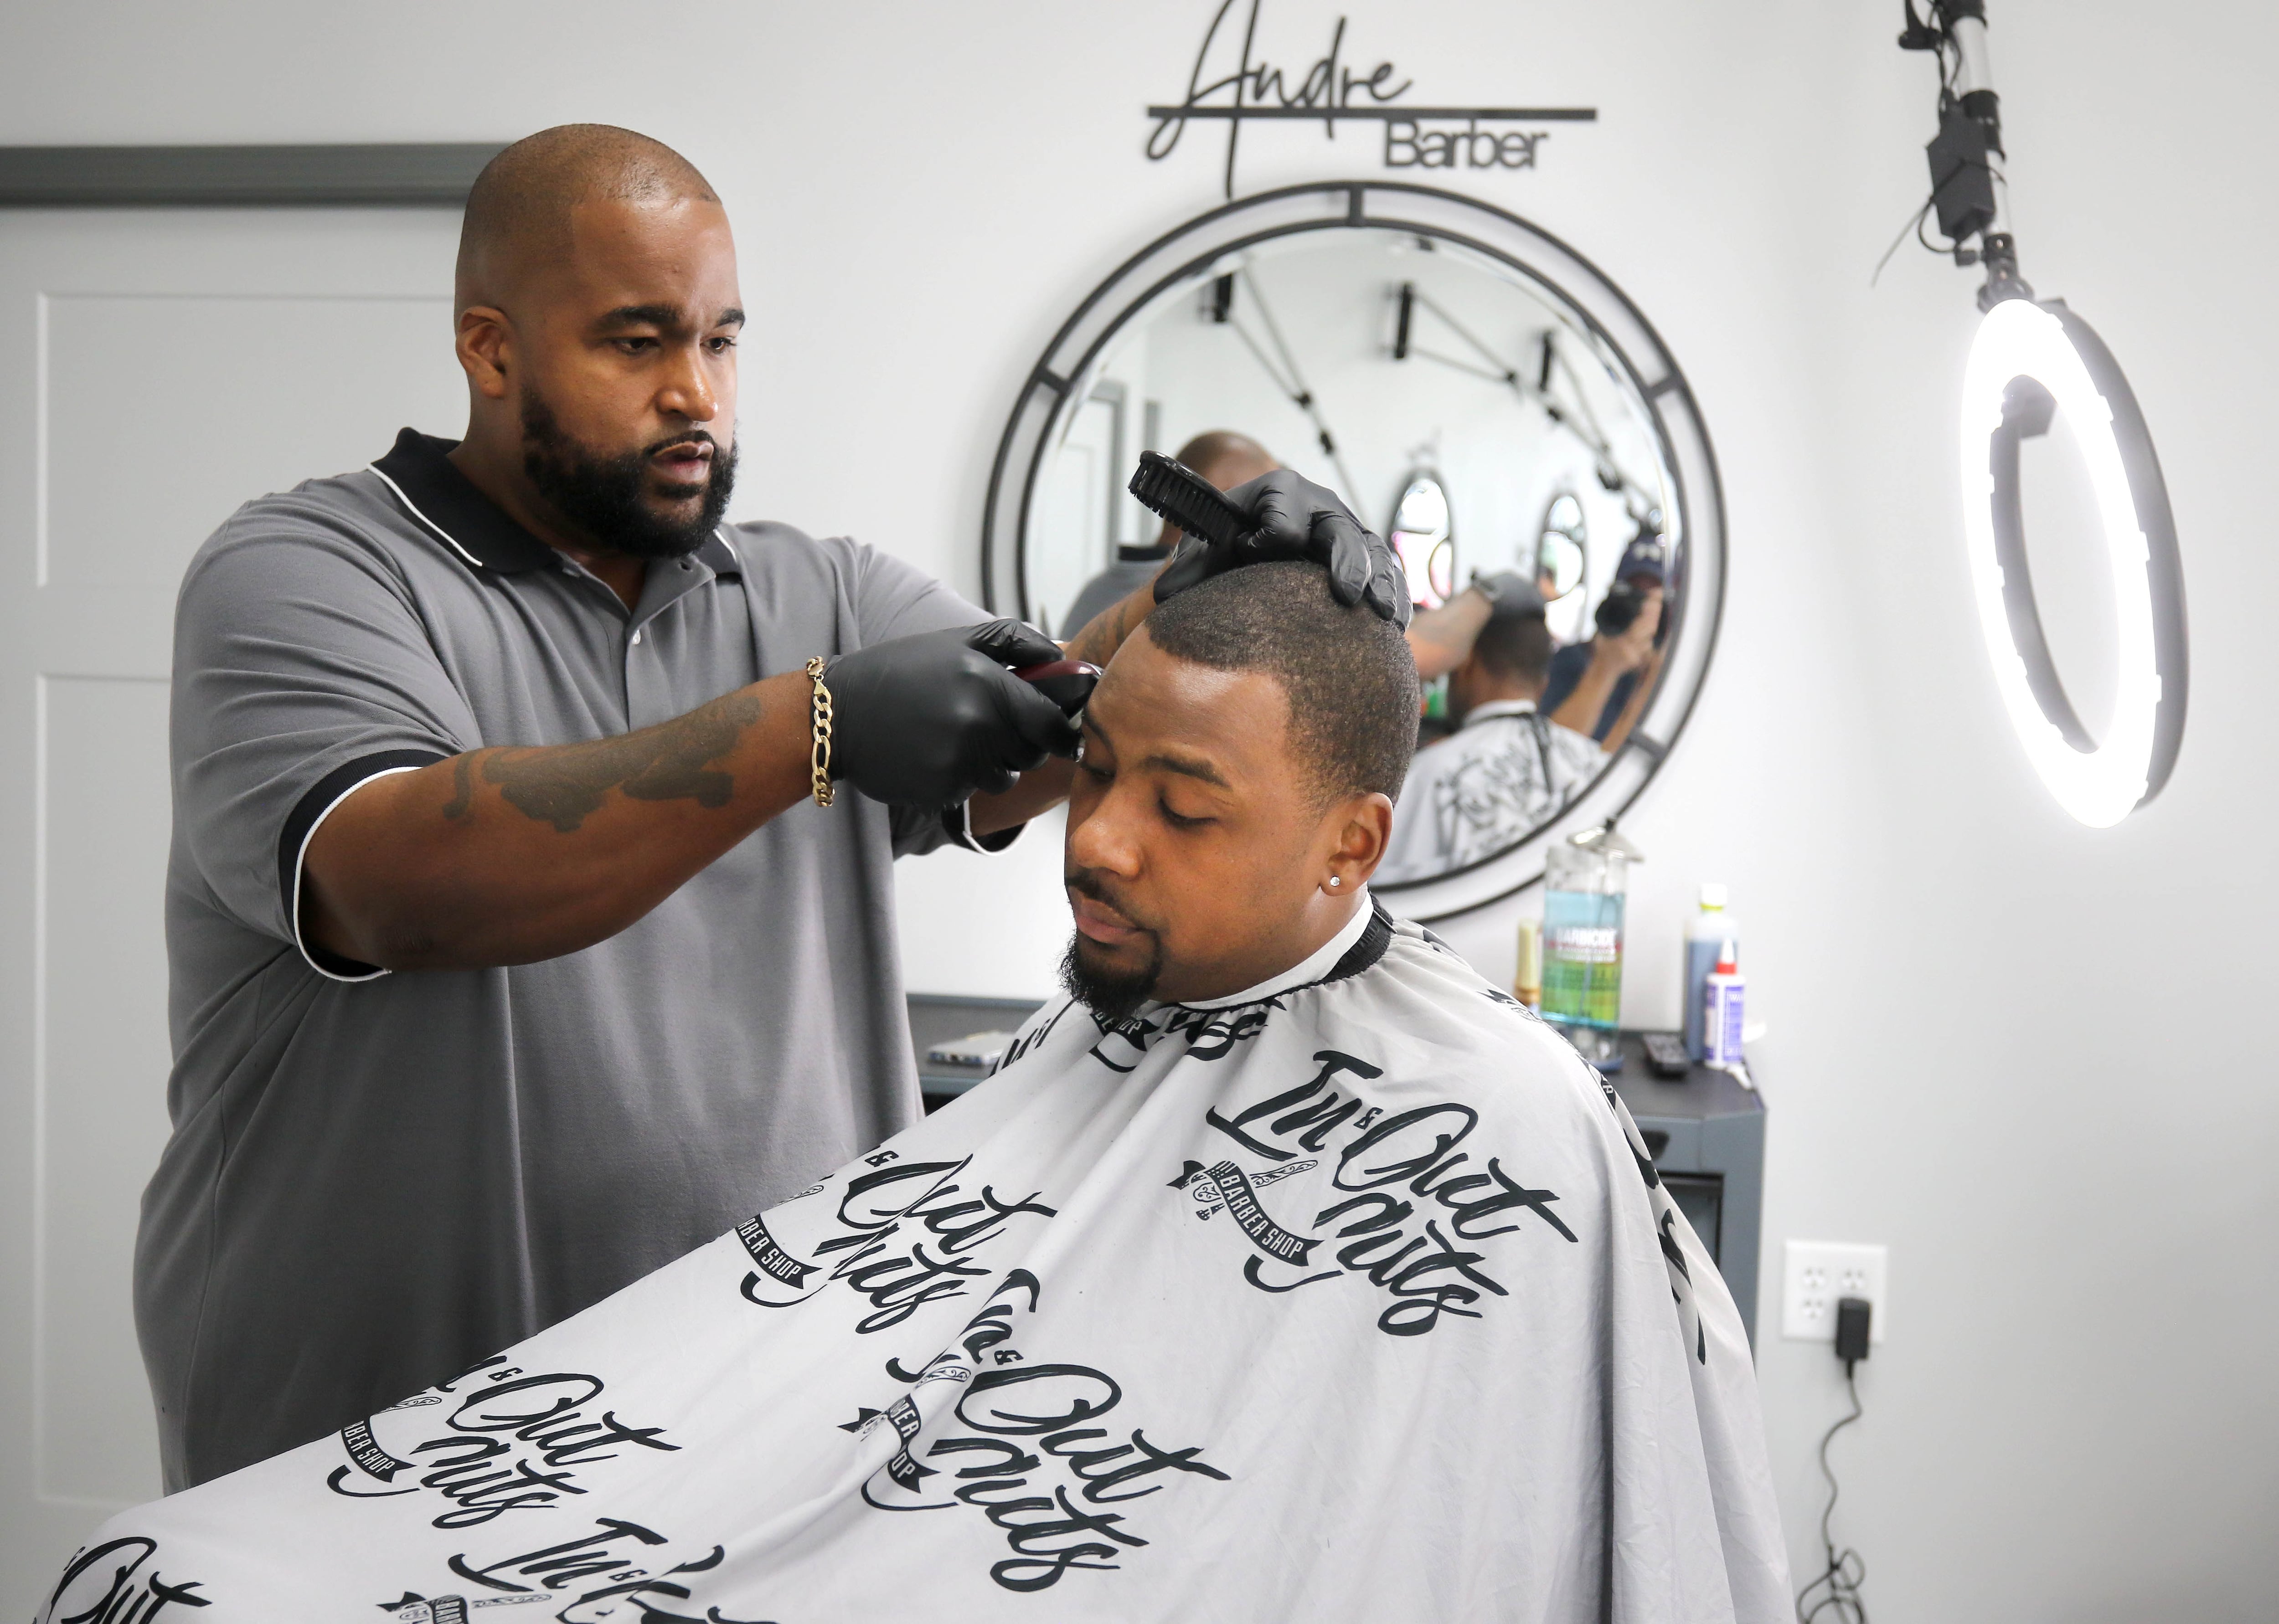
column 1179, row 820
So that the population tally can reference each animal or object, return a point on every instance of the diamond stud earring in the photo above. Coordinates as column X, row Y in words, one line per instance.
column 1335, row 881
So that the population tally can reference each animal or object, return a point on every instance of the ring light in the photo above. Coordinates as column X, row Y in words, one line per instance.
column 2028, row 360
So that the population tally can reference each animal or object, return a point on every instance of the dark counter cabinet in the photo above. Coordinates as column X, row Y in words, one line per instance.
column 1705, row 1131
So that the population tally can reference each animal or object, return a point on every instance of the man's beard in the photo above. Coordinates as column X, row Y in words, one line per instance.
column 604, row 497
column 1111, row 996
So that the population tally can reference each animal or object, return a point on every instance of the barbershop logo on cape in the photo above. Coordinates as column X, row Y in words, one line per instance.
column 1237, row 80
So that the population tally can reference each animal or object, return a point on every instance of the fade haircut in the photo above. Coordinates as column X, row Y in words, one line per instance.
column 1516, row 647
column 1347, row 673
column 518, row 209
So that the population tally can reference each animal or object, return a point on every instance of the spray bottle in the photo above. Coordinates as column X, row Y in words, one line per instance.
column 1725, row 997
column 1585, row 881
column 1708, row 930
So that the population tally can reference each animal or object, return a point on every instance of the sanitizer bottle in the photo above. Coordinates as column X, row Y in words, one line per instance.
column 1723, row 1006
column 1708, row 930
column 1585, row 880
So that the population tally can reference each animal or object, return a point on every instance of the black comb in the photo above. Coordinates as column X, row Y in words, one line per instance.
column 1173, row 491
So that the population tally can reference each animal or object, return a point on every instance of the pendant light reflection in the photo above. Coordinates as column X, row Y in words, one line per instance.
column 2028, row 360
column 1424, row 537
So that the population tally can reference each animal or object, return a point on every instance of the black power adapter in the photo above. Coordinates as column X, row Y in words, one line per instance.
column 1835, row 1593
column 1852, row 1317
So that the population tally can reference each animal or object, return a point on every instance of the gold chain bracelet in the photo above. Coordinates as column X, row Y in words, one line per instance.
column 819, row 759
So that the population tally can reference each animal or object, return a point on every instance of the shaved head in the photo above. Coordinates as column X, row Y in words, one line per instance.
column 597, row 316
column 1226, row 458
column 519, row 211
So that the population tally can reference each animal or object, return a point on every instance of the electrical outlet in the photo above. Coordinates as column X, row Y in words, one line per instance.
column 1818, row 1273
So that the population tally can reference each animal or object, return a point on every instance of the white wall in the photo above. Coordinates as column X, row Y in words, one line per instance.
column 2020, row 1052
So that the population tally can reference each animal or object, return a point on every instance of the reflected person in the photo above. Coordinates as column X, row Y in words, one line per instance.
column 1507, row 769
column 1222, row 456
column 1593, row 682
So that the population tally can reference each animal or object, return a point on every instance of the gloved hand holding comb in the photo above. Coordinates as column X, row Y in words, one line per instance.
column 1279, row 515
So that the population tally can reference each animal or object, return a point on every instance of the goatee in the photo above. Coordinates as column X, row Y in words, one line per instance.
column 606, row 497
column 1112, row 997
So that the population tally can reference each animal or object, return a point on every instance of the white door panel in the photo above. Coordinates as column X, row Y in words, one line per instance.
column 127, row 370
column 101, row 877
column 157, row 369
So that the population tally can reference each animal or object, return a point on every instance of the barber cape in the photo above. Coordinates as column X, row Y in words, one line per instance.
column 1353, row 1296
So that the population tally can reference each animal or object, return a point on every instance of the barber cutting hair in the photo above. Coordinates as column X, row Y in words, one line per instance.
column 520, row 720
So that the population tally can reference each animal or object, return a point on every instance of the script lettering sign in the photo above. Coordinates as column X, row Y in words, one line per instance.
column 1234, row 82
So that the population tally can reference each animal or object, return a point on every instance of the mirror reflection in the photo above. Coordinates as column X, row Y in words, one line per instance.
column 1467, row 413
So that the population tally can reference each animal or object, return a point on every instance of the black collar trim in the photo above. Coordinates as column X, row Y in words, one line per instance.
column 717, row 555
column 448, row 503
column 1367, row 947
column 1127, row 554
column 473, row 527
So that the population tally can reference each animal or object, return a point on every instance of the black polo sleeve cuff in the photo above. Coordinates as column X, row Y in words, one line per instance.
column 300, row 826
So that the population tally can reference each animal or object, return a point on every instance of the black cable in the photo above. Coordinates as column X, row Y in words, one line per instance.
column 1503, row 373
column 1605, row 446
column 1301, row 395
column 1845, row 1571
column 1930, row 31
column 1419, row 352
column 1914, row 224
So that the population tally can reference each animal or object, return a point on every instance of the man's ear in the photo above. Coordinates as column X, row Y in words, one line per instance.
column 1365, row 827
column 484, row 347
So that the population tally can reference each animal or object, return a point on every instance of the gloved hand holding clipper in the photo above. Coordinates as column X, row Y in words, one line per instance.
column 933, row 719
column 1279, row 515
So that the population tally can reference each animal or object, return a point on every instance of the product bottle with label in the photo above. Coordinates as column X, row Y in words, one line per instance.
column 1586, row 881
column 1527, row 974
column 1724, row 1000
column 1708, row 930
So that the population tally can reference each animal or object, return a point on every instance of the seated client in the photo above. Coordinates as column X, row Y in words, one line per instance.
column 1284, row 1270
column 1507, row 769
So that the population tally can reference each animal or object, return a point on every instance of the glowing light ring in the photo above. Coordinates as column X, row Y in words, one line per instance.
column 2098, row 782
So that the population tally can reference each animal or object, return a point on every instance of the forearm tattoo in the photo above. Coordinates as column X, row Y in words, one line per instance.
column 563, row 784
column 1099, row 638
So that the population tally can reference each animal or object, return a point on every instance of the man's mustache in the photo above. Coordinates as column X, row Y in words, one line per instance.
column 691, row 437
column 1087, row 883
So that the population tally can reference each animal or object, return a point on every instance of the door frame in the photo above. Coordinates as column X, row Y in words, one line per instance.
column 398, row 174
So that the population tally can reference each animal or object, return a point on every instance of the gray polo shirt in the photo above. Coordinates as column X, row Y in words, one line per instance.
column 376, row 1179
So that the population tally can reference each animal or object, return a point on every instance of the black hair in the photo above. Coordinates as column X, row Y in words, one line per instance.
column 1348, row 671
column 1516, row 647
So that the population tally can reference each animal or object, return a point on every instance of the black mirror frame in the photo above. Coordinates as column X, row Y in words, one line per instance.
column 1622, row 338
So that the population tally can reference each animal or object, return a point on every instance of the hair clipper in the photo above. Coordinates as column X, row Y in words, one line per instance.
column 1067, row 683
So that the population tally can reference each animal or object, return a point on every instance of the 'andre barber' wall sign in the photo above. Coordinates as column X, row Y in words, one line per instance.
column 1235, row 81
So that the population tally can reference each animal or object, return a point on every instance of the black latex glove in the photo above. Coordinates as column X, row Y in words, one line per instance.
column 929, row 720
column 1293, row 517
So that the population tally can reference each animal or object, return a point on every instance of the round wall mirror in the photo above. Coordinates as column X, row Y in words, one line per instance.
column 1473, row 388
